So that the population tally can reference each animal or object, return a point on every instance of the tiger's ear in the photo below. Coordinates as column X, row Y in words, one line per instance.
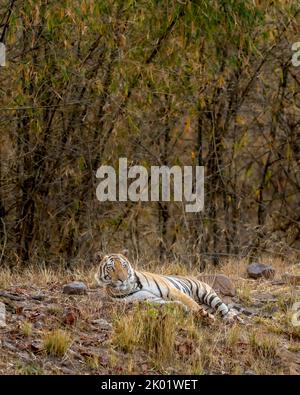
column 98, row 256
column 125, row 252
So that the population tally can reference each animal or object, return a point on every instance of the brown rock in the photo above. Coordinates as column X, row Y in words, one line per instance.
column 70, row 317
column 219, row 282
column 258, row 270
column 75, row 288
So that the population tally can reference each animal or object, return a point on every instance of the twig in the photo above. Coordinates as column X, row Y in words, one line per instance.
column 5, row 240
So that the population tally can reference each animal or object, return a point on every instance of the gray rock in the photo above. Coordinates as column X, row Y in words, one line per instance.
column 38, row 325
column 2, row 315
column 9, row 346
column 103, row 324
column 250, row 372
column 39, row 297
column 75, row 288
column 258, row 270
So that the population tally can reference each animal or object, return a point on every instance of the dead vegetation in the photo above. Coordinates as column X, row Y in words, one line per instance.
column 48, row 332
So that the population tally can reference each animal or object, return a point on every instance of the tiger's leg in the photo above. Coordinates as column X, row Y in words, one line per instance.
column 214, row 302
column 150, row 297
column 190, row 303
column 144, row 295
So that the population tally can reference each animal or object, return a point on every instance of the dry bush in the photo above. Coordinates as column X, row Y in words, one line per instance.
column 57, row 342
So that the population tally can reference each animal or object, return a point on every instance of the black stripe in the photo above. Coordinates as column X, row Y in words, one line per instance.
column 173, row 281
column 145, row 278
column 158, row 287
column 182, row 282
column 124, row 295
column 211, row 298
column 138, row 281
column 199, row 291
column 218, row 305
column 204, row 296
column 207, row 295
column 191, row 284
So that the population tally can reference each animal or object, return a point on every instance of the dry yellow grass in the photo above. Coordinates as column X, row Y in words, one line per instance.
column 57, row 342
column 149, row 326
column 26, row 328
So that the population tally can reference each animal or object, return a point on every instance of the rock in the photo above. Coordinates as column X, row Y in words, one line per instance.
column 67, row 371
column 258, row 270
column 2, row 315
column 260, row 298
column 12, row 296
column 24, row 356
column 36, row 346
column 250, row 372
column 292, row 279
column 9, row 346
column 39, row 297
column 38, row 325
column 70, row 317
column 219, row 282
column 246, row 311
column 278, row 282
column 75, row 288
column 103, row 324
column 256, row 309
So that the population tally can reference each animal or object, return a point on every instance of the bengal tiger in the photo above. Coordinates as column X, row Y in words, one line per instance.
column 122, row 282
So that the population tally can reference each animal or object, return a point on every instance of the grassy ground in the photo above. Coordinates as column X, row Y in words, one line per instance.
column 51, row 333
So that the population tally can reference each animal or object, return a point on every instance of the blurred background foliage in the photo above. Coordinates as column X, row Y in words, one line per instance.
column 207, row 82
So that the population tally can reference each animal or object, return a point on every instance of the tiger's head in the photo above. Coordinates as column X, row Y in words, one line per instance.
column 114, row 271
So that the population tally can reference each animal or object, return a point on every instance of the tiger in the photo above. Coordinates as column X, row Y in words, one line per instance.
column 122, row 282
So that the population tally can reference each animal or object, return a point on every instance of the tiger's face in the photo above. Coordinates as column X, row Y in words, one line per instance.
column 115, row 271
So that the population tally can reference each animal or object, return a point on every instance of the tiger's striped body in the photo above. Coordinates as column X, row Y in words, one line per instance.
column 122, row 282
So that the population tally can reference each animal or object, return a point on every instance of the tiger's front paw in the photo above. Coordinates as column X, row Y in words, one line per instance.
column 205, row 317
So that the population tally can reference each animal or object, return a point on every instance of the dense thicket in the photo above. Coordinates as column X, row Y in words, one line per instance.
column 206, row 82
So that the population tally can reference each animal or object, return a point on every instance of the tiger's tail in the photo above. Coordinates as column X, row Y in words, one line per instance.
column 212, row 303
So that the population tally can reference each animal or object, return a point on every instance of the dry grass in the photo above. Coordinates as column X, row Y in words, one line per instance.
column 150, row 326
column 57, row 342
column 263, row 346
column 26, row 328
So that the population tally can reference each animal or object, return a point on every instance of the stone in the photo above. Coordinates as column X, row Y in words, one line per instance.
column 250, row 372
column 70, row 317
column 220, row 283
column 39, row 297
column 292, row 279
column 75, row 288
column 38, row 325
column 258, row 270
column 9, row 346
column 278, row 282
column 103, row 324
column 246, row 311
column 2, row 315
